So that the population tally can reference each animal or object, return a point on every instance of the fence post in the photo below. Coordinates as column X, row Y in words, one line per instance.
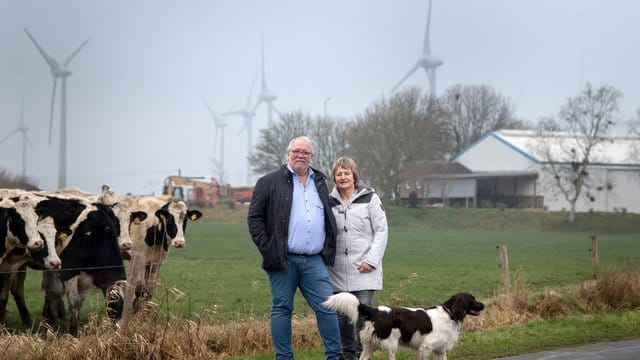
column 504, row 264
column 595, row 260
column 136, row 265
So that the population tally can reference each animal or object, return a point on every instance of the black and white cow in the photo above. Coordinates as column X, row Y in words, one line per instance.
column 18, row 225
column 125, row 215
column 164, row 228
column 15, row 258
column 90, row 256
column 14, row 268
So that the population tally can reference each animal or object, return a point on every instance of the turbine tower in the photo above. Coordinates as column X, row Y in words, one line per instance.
column 265, row 95
column 22, row 128
column 247, row 114
column 220, row 124
column 428, row 61
column 59, row 72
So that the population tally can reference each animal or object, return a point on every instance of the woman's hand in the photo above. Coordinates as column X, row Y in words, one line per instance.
column 365, row 268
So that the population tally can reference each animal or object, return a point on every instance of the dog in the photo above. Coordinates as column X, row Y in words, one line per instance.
column 432, row 330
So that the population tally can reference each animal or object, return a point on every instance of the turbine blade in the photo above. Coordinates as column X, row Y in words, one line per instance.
column 53, row 101
column 264, row 88
column 253, row 84
column 73, row 54
column 30, row 144
column 426, row 47
column 244, row 124
column 413, row 69
column 255, row 107
column 215, row 128
column 213, row 116
column 53, row 63
column 9, row 135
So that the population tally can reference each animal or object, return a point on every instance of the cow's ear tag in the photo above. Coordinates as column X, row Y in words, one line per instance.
column 136, row 221
column 194, row 217
column 62, row 236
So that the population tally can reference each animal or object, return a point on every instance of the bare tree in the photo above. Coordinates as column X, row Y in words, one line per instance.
column 394, row 133
column 218, row 172
column 567, row 145
column 473, row 110
column 327, row 135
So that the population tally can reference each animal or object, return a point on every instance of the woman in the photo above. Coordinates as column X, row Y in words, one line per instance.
column 360, row 245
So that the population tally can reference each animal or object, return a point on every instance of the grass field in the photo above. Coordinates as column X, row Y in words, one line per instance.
column 431, row 254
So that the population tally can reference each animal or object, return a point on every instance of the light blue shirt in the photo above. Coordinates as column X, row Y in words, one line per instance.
column 306, row 221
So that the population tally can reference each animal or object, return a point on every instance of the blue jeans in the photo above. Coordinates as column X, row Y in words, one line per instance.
column 351, row 346
column 310, row 274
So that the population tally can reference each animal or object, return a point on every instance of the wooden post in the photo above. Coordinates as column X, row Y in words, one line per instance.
column 504, row 264
column 595, row 260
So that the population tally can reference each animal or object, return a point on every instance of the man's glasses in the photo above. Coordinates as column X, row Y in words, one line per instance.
column 301, row 152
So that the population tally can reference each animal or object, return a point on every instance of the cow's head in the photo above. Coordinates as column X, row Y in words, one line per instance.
column 127, row 218
column 175, row 216
column 51, row 236
column 23, row 221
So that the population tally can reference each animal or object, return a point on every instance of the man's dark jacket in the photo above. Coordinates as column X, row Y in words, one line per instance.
column 269, row 214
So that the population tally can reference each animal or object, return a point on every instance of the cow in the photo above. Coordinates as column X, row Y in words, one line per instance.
column 125, row 216
column 13, row 268
column 162, row 229
column 18, row 222
column 90, row 257
column 69, row 205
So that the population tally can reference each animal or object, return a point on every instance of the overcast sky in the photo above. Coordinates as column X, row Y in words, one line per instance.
column 135, row 100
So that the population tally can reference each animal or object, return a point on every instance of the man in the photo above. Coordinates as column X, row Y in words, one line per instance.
column 291, row 223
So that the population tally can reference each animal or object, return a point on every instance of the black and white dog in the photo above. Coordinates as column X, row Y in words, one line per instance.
column 435, row 329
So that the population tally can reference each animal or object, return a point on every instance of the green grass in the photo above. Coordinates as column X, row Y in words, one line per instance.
column 431, row 254
column 221, row 266
column 543, row 335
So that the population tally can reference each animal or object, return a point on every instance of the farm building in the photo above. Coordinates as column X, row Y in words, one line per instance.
column 504, row 169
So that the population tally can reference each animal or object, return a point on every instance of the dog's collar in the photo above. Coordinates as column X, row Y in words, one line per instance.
column 448, row 311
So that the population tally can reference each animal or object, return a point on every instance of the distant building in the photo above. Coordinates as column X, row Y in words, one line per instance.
column 502, row 169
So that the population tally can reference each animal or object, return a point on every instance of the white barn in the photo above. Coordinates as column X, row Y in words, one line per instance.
column 502, row 169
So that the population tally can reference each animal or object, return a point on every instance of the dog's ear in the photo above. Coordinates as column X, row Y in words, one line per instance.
column 457, row 304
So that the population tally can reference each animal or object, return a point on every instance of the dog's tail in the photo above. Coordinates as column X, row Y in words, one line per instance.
column 344, row 303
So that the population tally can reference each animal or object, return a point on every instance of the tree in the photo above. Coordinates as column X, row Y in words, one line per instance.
column 393, row 133
column 471, row 111
column 16, row 182
column 327, row 135
column 567, row 145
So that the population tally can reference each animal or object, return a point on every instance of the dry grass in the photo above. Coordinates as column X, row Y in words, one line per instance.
column 617, row 290
column 159, row 335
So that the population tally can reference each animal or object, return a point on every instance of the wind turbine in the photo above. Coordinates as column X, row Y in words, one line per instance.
column 22, row 128
column 428, row 61
column 59, row 72
column 220, row 124
column 247, row 114
column 265, row 95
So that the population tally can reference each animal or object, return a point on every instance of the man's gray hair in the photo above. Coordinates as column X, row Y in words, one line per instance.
column 303, row 138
